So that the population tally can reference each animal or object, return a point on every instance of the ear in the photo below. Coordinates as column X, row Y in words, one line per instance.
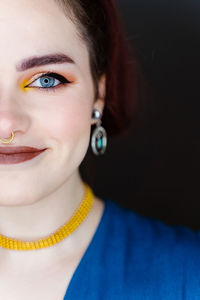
column 100, row 101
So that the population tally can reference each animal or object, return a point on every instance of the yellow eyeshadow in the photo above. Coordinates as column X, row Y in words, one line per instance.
column 23, row 85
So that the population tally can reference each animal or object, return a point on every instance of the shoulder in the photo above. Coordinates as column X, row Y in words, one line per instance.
column 128, row 223
column 152, row 254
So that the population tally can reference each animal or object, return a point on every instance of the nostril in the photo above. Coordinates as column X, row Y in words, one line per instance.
column 6, row 126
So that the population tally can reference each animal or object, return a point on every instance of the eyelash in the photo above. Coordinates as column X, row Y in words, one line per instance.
column 57, row 76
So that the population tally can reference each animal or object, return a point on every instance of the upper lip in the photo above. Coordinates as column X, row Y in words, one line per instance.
column 20, row 149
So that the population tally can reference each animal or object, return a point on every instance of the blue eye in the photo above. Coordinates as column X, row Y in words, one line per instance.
column 49, row 81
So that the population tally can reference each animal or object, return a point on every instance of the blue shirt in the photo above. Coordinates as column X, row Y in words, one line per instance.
column 132, row 257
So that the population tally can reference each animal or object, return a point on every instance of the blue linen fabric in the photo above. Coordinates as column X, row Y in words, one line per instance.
column 132, row 257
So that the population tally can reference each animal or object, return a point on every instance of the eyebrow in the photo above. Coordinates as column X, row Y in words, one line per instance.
column 37, row 61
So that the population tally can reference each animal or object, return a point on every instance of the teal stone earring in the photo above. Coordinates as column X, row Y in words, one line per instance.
column 99, row 136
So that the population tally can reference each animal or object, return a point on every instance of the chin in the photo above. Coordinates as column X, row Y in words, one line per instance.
column 17, row 196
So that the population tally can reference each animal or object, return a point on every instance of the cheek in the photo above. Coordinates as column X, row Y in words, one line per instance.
column 68, row 119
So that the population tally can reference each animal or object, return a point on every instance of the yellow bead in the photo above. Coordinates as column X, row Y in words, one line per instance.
column 53, row 239
column 37, row 245
column 46, row 244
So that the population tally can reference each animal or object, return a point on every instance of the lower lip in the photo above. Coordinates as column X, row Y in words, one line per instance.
column 16, row 158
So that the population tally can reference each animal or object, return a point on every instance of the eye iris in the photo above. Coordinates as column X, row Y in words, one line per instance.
column 47, row 82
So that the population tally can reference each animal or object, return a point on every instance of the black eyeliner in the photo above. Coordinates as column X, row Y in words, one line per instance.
column 56, row 76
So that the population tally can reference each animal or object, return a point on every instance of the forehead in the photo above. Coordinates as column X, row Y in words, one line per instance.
column 32, row 27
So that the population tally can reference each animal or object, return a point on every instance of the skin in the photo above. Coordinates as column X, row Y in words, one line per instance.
column 38, row 196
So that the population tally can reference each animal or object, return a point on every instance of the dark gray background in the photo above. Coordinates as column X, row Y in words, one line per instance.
column 154, row 169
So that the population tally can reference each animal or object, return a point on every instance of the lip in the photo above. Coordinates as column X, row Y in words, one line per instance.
column 16, row 155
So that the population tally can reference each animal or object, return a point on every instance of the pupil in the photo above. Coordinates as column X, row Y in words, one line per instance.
column 47, row 82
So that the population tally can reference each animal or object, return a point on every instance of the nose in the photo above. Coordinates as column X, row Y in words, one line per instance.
column 12, row 121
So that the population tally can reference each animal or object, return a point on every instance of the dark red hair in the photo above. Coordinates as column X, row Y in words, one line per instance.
column 122, row 81
column 101, row 27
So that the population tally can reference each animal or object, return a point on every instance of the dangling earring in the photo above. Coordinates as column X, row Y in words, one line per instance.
column 99, row 136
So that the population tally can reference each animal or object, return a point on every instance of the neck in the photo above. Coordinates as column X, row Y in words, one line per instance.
column 40, row 219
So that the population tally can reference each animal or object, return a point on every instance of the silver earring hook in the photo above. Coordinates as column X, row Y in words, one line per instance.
column 96, row 115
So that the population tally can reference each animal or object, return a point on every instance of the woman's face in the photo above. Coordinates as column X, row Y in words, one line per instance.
column 51, row 112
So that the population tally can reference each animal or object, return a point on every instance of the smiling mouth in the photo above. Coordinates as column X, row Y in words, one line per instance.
column 16, row 155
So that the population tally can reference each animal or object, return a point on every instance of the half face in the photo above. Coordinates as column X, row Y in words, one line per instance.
column 46, row 98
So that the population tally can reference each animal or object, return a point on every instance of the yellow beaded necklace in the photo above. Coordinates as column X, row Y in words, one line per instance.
column 64, row 231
